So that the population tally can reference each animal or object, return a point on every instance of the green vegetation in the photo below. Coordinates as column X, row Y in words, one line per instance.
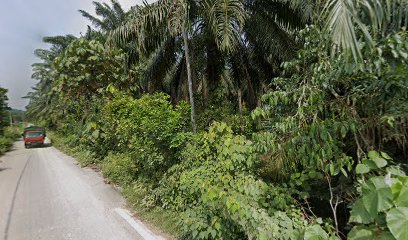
column 240, row 119
column 8, row 134
column 381, row 210
column 3, row 110
column 5, row 144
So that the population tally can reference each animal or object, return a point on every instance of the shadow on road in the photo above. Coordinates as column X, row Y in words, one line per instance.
column 2, row 169
column 45, row 145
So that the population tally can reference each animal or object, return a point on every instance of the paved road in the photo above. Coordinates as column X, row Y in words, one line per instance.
column 45, row 195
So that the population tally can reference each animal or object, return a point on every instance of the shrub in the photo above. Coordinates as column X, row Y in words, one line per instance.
column 145, row 128
column 381, row 211
column 5, row 144
column 221, row 198
column 12, row 132
column 120, row 168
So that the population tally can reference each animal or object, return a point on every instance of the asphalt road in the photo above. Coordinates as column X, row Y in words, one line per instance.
column 45, row 195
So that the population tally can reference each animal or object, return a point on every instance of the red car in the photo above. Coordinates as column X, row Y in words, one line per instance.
column 34, row 136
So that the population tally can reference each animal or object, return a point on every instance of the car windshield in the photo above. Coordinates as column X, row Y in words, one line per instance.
column 33, row 134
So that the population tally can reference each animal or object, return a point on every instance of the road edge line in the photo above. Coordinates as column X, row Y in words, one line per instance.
column 136, row 224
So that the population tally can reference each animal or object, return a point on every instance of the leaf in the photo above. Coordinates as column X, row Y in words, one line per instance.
column 343, row 131
column 344, row 172
column 360, row 233
column 386, row 156
column 369, row 233
column 377, row 196
column 359, row 213
column 396, row 171
column 385, row 235
column 397, row 222
column 369, row 163
column 362, row 168
column 373, row 154
column 315, row 232
column 402, row 198
column 379, row 161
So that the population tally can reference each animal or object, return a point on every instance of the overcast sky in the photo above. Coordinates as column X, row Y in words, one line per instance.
column 23, row 24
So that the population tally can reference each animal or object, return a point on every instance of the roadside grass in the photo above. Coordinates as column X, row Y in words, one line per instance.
column 5, row 145
column 66, row 145
column 157, row 218
column 10, row 136
column 136, row 193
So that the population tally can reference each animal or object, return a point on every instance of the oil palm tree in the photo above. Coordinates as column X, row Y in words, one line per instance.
column 223, row 26
column 107, row 17
column 155, row 23
column 374, row 18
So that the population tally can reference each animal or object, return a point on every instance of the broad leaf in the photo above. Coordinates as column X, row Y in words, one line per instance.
column 369, row 233
column 359, row 214
column 360, row 233
column 378, row 160
column 397, row 222
column 362, row 168
column 315, row 232
column 377, row 196
column 402, row 198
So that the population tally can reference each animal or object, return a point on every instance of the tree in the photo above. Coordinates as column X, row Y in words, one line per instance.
column 220, row 26
column 110, row 17
column 3, row 109
column 42, row 98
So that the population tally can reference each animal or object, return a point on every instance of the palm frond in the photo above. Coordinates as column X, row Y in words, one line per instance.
column 95, row 21
column 225, row 19
column 142, row 24
column 374, row 18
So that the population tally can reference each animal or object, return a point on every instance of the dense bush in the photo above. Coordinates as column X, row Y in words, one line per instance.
column 221, row 198
column 381, row 211
column 5, row 144
column 146, row 128
column 326, row 114
column 11, row 133
column 120, row 168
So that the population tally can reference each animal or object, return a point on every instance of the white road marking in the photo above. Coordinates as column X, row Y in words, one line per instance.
column 136, row 224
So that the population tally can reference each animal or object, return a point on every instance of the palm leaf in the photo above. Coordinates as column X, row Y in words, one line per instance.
column 225, row 19
column 374, row 18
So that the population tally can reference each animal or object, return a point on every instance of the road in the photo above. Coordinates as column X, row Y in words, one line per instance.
column 45, row 195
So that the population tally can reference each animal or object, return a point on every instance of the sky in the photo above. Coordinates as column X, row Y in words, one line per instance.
column 23, row 24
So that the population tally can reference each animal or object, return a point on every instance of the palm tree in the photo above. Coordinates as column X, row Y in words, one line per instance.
column 110, row 17
column 374, row 18
column 42, row 98
column 178, row 19
column 221, row 28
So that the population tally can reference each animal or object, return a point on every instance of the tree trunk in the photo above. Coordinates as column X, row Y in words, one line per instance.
column 240, row 110
column 251, row 92
column 213, row 68
column 189, row 78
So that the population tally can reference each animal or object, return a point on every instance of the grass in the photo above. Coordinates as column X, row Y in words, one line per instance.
column 10, row 135
column 5, row 144
column 155, row 216
column 136, row 194
column 84, row 158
